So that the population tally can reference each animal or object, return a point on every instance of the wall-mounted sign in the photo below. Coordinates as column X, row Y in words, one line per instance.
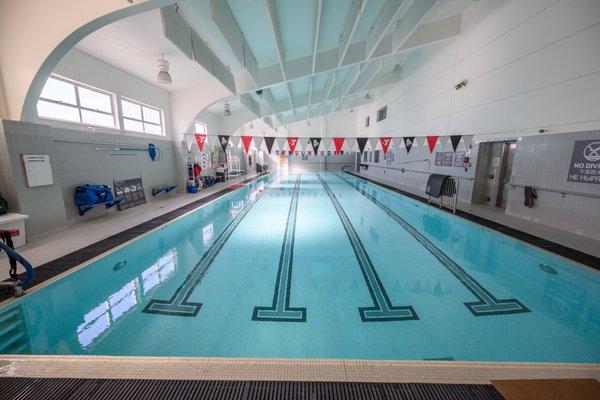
column 448, row 158
column 459, row 158
column 439, row 158
column 585, row 162
column 37, row 170
column 132, row 192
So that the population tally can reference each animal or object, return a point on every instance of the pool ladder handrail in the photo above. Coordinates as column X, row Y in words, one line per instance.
column 18, row 285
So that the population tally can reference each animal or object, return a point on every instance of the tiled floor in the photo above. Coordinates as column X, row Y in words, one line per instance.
column 107, row 367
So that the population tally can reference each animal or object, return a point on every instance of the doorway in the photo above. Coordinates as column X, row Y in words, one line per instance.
column 508, row 157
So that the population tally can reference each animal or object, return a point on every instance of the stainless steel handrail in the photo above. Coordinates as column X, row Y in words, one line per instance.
column 553, row 190
column 416, row 171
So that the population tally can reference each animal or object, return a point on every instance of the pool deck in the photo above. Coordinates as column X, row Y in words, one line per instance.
column 207, row 368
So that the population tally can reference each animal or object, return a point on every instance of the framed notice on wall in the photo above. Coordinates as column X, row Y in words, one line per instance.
column 132, row 192
column 459, row 158
column 448, row 158
column 585, row 162
column 439, row 158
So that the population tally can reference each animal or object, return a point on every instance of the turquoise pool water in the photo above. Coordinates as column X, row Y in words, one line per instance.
column 318, row 266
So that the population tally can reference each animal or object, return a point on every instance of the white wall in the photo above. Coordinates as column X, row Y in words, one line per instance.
column 530, row 65
column 84, row 68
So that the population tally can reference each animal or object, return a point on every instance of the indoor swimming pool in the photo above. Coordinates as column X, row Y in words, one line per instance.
column 318, row 265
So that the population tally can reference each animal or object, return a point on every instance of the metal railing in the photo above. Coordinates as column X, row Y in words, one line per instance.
column 553, row 190
column 16, row 257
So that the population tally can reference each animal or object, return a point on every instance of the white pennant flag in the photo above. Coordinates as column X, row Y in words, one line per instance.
column 235, row 141
column 189, row 142
column 373, row 142
column 352, row 144
column 467, row 139
column 399, row 142
column 281, row 143
column 258, row 142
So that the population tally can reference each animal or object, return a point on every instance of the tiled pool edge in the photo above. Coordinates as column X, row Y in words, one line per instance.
column 51, row 270
column 544, row 244
column 207, row 368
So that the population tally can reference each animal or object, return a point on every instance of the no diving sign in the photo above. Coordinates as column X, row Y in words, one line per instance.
column 585, row 162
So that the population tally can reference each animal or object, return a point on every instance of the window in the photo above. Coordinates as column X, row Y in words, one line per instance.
column 139, row 117
column 381, row 113
column 66, row 100
column 377, row 152
column 200, row 128
column 367, row 122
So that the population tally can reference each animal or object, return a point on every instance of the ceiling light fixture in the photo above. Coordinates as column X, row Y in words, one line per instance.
column 163, row 71
column 227, row 111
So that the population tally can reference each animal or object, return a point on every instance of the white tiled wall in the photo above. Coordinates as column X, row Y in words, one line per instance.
column 74, row 161
column 543, row 161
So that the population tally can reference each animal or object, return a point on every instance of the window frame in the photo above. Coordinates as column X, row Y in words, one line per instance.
column 367, row 121
column 203, row 124
column 122, row 117
column 114, row 110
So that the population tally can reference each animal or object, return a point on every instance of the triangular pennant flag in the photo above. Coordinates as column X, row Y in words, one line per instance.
column 189, row 142
column 420, row 141
column 299, row 147
column 326, row 144
column 373, row 142
column 235, row 141
column 467, row 139
column 399, row 142
column 315, row 142
column 223, row 141
column 431, row 142
column 292, row 142
column 280, row 143
column 339, row 143
column 408, row 142
column 455, row 139
column 259, row 142
column 269, row 140
column 351, row 144
column 200, row 140
column 246, row 141
column 385, row 143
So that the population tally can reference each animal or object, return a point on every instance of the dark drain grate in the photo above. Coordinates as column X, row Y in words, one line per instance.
column 110, row 389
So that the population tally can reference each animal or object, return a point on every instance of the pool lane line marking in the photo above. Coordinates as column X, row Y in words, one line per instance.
column 178, row 304
column 280, row 310
column 383, row 309
column 488, row 304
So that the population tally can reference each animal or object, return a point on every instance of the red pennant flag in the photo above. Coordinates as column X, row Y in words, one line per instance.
column 431, row 141
column 246, row 140
column 200, row 140
column 385, row 143
column 292, row 142
column 338, row 142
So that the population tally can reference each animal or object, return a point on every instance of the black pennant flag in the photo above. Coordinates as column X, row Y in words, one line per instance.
column 223, row 140
column 408, row 142
column 455, row 139
column 269, row 140
column 315, row 143
column 362, row 142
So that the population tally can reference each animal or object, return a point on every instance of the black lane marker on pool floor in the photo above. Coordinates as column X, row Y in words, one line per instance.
column 383, row 309
column 280, row 310
column 178, row 304
column 487, row 304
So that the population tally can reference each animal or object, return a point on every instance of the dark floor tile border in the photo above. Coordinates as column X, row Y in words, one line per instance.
column 572, row 254
column 72, row 388
column 59, row 265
